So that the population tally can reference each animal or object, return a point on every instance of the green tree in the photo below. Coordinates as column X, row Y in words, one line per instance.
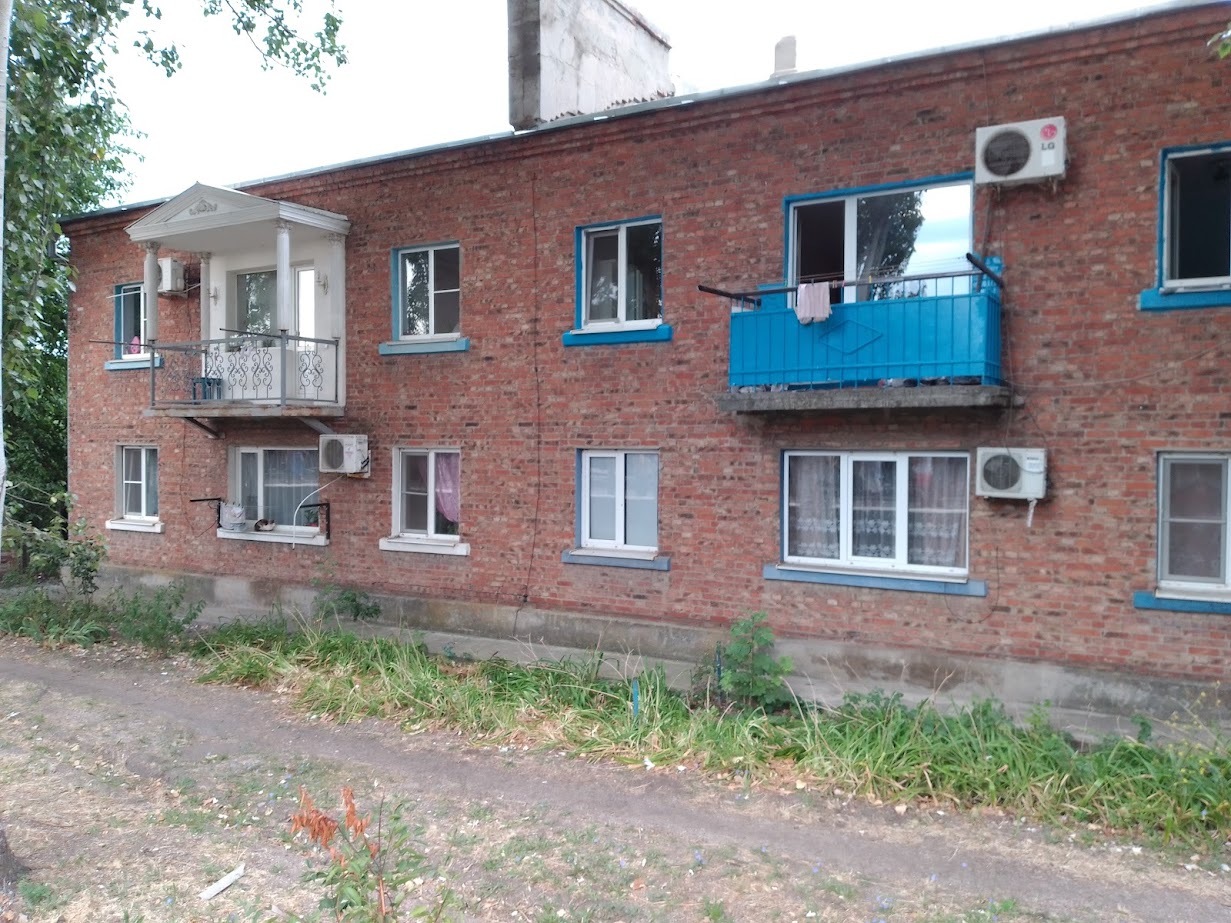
column 1222, row 42
column 66, row 137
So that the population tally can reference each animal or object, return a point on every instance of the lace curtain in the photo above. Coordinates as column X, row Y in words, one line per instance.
column 936, row 513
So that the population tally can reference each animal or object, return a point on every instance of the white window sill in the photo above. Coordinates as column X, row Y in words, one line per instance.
column 135, row 525
column 278, row 538
column 1216, row 594
column 654, row 331
column 908, row 573
column 636, row 554
column 616, row 326
column 617, row 557
column 424, row 546
column 877, row 580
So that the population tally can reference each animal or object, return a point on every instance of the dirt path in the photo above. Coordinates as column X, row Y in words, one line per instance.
column 128, row 788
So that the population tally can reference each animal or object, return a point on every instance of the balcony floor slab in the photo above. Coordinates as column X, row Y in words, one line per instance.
column 853, row 399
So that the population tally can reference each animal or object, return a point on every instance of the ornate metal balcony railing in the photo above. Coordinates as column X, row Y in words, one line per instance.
column 244, row 369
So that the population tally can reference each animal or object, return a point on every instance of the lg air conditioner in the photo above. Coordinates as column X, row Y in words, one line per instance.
column 1020, row 152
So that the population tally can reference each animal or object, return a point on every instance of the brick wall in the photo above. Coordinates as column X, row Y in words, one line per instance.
column 1105, row 386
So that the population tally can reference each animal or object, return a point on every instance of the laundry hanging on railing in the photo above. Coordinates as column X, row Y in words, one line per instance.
column 812, row 302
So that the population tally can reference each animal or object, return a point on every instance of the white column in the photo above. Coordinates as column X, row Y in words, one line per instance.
column 151, row 291
column 337, row 286
column 286, row 287
column 206, row 301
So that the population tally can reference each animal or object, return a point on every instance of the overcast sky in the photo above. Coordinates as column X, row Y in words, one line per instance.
column 426, row 73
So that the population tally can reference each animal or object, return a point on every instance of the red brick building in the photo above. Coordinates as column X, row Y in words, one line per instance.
column 567, row 439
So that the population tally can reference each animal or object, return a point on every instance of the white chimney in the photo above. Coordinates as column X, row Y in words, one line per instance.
column 784, row 57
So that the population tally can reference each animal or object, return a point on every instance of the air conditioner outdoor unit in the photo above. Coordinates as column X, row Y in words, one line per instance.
column 1018, row 474
column 1020, row 152
column 344, row 455
column 170, row 275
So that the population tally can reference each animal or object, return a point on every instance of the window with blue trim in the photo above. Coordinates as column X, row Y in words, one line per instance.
column 621, row 275
column 130, row 319
column 881, row 233
column 902, row 512
column 428, row 292
column 1194, row 230
column 1193, row 555
column 1197, row 220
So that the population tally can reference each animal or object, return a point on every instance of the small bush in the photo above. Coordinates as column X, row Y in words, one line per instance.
column 751, row 674
column 369, row 872
column 340, row 603
column 155, row 620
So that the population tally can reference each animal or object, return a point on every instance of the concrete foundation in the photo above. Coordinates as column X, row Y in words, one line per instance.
column 1087, row 703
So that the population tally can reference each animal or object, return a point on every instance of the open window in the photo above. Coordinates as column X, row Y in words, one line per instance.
column 917, row 232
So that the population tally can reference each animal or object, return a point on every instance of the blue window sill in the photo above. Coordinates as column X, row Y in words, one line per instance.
column 1143, row 599
column 905, row 584
column 1153, row 299
column 660, row 334
column 121, row 365
column 580, row 556
column 413, row 347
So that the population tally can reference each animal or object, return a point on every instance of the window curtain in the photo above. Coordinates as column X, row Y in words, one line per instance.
column 448, row 486
column 874, row 509
column 290, row 478
column 936, row 517
column 814, row 518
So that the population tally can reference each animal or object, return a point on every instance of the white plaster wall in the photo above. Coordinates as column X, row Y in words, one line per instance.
column 570, row 57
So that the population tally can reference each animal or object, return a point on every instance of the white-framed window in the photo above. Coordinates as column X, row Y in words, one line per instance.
column 877, row 511
column 622, row 273
column 256, row 301
column 130, row 321
column 619, row 500
column 274, row 485
column 883, row 233
column 427, row 494
column 1196, row 249
column 136, row 489
column 427, row 291
column 1192, row 530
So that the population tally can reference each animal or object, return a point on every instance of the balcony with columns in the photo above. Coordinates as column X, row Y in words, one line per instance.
column 271, row 299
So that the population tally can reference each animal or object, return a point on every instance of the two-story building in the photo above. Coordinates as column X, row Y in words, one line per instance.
column 926, row 358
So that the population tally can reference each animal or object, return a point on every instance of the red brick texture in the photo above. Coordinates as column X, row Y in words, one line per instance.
column 1105, row 386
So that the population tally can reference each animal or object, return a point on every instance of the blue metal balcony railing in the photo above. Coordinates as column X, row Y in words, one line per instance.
column 919, row 337
column 245, row 368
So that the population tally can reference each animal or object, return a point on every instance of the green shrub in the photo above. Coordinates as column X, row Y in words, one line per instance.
column 155, row 620
column 751, row 675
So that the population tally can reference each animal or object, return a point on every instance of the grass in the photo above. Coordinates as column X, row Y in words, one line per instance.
column 157, row 621
column 874, row 746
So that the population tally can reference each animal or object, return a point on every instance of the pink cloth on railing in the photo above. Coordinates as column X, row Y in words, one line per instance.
column 812, row 302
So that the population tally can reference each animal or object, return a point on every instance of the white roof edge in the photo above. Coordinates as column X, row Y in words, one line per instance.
column 705, row 96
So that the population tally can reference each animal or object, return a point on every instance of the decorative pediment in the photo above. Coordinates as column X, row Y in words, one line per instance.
column 205, row 218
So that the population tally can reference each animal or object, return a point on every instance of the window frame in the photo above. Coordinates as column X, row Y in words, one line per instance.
column 125, row 519
column 584, row 236
column 1168, row 283
column 847, row 561
column 298, row 305
column 235, row 487
column 618, row 545
column 850, row 197
column 399, row 289
column 122, row 343
column 1191, row 587
column 429, row 540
